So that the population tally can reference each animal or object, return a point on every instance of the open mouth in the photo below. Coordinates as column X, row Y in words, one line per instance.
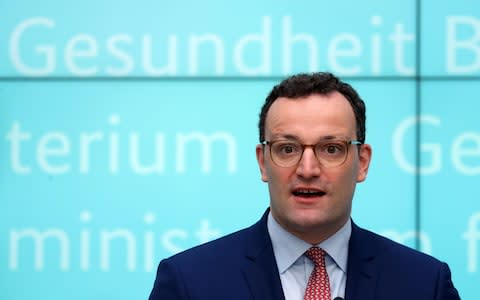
column 308, row 193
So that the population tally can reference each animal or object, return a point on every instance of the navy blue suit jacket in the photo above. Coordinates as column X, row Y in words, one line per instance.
column 242, row 266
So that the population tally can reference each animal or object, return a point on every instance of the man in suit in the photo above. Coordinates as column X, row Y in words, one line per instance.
column 311, row 154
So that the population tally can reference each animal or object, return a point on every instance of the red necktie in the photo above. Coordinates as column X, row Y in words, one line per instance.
column 318, row 287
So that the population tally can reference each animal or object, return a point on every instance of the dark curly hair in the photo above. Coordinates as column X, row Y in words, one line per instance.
column 302, row 85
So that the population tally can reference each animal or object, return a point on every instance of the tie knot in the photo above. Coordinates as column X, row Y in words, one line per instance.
column 317, row 255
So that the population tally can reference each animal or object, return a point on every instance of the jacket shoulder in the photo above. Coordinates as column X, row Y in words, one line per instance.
column 222, row 248
column 395, row 251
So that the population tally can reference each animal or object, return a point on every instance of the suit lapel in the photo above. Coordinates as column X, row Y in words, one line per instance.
column 362, row 270
column 260, row 268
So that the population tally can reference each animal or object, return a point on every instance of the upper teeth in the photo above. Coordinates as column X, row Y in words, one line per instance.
column 307, row 191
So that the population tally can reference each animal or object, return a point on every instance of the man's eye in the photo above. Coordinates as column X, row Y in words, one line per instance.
column 287, row 148
column 333, row 148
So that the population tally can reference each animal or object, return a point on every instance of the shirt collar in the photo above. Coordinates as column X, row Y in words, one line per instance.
column 289, row 248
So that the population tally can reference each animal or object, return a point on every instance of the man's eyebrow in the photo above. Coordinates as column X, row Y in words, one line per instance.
column 286, row 137
column 296, row 138
column 329, row 137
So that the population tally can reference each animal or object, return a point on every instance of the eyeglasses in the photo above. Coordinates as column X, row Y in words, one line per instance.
column 329, row 152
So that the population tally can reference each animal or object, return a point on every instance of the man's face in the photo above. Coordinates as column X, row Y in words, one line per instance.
column 315, row 215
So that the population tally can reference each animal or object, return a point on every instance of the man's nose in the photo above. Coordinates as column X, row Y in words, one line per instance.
column 308, row 166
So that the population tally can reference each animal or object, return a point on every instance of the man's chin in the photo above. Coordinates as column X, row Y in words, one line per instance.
column 308, row 222
column 320, row 224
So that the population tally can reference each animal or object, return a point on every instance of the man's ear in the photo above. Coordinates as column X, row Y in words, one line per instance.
column 364, row 157
column 260, row 151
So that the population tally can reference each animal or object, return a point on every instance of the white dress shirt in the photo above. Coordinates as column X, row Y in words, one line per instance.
column 295, row 268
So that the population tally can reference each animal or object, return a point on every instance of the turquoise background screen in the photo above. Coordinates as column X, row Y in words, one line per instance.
column 128, row 130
